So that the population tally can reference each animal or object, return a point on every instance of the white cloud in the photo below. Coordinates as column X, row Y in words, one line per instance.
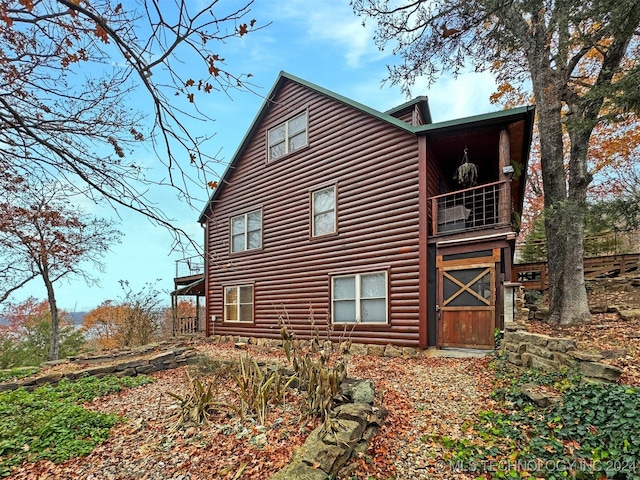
column 335, row 23
column 463, row 96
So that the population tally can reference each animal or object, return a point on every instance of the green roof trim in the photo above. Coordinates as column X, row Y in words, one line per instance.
column 461, row 124
column 423, row 104
column 477, row 120
column 385, row 117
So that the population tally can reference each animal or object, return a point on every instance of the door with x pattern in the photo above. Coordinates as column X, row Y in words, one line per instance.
column 466, row 305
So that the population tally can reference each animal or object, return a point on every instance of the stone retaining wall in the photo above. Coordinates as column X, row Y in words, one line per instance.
column 553, row 354
column 353, row 424
column 390, row 351
column 119, row 366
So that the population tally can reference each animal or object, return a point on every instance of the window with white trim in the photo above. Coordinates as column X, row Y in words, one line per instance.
column 246, row 231
column 288, row 137
column 238, row 303
column 359, row 298
column 323, row 211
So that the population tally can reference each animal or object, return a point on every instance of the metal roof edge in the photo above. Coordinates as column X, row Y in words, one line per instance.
column 485, row 118
column 422, row 102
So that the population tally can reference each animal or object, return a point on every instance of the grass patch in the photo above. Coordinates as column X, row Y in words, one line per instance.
column 49, row 423
column 17, row 373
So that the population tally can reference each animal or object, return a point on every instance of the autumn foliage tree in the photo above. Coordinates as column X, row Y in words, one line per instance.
column 614, row 151
column 134, row 319
column 26, row 339
column 70, row 71
column 42, row 230
column 583, row 64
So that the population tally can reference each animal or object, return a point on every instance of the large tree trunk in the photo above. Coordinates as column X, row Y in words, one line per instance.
column 564, row 211
column 54, row 350
column 574, row 306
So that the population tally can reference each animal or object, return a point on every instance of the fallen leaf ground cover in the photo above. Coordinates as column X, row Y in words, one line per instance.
column 425, row 396
column 444, row 420
column 618, row 339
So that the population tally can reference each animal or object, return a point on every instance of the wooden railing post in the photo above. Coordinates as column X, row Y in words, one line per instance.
column 504, row 200
column 434, row 216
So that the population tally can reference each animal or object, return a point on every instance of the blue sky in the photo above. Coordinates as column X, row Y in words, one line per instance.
column 320, row 41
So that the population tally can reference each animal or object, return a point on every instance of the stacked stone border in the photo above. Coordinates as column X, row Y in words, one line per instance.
column 120, row 364
column 526, row 349
column 389, row 351
column 353, row 425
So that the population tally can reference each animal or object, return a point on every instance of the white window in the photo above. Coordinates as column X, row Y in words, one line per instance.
column 323, row 211
column 288, row 136
column 360, row 298
column 238, row 303
column 246, row 231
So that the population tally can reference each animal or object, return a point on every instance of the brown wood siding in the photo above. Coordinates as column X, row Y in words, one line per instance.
column 407, row 115
column 433, row 183
column 375, row 168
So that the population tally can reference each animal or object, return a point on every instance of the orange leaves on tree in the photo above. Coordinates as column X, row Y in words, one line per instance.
column 23, row 313
column 101, row 33
column 243, row 29
column 212, row 184
column 213, row 70
column 104, row 321
column 28, row 4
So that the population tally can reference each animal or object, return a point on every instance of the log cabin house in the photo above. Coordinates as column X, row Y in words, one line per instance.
column 334, row 214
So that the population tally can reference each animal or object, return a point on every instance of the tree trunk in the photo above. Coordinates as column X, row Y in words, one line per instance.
column 564, row 223
column 54, row 350
column 574, row 307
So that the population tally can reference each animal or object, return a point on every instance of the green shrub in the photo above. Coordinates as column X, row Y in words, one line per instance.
column 49, row 424
column 17, row 373
column 31, row 347
column 591, row 433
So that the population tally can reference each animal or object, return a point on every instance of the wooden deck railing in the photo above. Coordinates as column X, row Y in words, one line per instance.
column 534, row 275
column 186, row 326
column 470, row 209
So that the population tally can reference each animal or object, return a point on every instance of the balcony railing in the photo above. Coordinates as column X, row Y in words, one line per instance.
column 474, row 208
column 186, row 267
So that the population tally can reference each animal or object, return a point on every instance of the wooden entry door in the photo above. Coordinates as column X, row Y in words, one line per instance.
column 466, row 303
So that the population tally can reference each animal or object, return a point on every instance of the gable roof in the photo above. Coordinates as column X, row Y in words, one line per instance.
column 387, row 117
column 421, row 102
column 282, row 77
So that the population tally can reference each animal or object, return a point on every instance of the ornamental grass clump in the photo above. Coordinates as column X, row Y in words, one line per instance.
column 320, row 369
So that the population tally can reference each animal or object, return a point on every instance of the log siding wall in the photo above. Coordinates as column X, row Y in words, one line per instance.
column 374, row 166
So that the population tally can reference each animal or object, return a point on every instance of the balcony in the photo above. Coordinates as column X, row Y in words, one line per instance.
column 190, row 267
column 188, row 282
column 476, row 208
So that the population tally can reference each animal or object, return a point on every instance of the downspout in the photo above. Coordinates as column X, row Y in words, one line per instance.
column 208, row 329
column 423, row 302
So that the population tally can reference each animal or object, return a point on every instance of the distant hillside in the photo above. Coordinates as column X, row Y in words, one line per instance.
column 76, row 317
